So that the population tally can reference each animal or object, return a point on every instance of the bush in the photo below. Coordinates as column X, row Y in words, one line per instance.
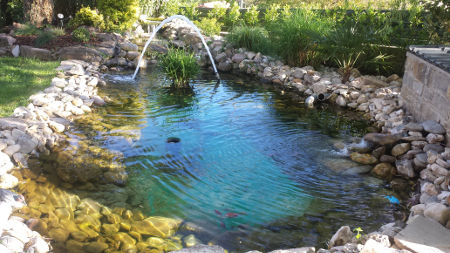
column 251, row 16
column 297, row 38
column 56, row 31
column 191, row 11
column 27, row 29
column 218, row 13
column 180, row 66
column 271, row 14
column 209, row 26
column 81, row 34
column 43, row 38
column 234, row 15
column 87, row 17
column 119, row 15
column 253, row 38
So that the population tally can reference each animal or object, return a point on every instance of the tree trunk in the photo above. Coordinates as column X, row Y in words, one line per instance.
column 38, row 12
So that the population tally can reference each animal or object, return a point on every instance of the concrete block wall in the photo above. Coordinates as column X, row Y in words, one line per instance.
column 426, row 91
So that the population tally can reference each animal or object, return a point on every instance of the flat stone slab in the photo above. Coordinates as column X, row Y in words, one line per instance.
column 424, row 235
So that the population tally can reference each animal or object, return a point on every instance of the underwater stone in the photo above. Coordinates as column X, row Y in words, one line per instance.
column 156, row 226
column 96, row 247
column 383, row 170
column 363, row 158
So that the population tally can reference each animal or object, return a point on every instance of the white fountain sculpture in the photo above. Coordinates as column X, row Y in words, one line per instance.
column 165, row 21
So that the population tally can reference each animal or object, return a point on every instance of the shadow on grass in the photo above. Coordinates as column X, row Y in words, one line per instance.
column 20, row 78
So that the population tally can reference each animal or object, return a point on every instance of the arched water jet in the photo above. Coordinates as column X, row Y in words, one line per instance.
column 165, row 21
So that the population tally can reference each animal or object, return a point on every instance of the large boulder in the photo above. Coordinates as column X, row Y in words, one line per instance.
column 341, row 237
column 79, row 53
column 382, row 139
column 39, row 53
column 6, row 40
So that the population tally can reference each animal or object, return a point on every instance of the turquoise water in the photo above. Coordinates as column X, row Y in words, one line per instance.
column 254, row 169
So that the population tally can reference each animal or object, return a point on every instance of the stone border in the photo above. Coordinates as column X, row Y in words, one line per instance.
column 36, row 129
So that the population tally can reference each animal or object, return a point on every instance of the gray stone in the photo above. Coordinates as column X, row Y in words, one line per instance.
column 6, row 40
column 381, row 139
column 405, row 168
column 15, row 51
column 319, row 88
column 341, row 237
column 79, row 53
column 437, row 212
column 237, row 58
column 420, row 161
column 432, row 156
column 436, row 147
column 423, row 235
column 10, row 150
column 435, row 138
column 8, row 181
column 201, row 249
column 432, row 126
column 400, row 149
column 5, row 164
column 387, row 159
column 128, row 46
column 38, row 53
column 12, row 243
column 372, row 246
column 296, row 250
column 414, row 127
column 225, row 66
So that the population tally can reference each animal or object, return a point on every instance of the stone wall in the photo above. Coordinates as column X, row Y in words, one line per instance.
column 426, row 91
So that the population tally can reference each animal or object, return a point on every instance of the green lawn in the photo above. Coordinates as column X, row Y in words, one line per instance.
column 20, row 78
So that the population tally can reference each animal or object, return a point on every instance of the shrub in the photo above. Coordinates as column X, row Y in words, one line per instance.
column 209, row 26
column 88, row 17
column 286, row 12
column 81, row 34
column 57, row 31
column 218, row 13
column 119, row 15
column 180, row 66
column 27, row 29
column 234, row 14
column 297, row 38
column 191, row 11
column 253, row 38
column 43, row 38
column 271, row 14
column 251, row 16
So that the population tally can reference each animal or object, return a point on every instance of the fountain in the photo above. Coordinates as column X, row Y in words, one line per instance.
column 165, row 21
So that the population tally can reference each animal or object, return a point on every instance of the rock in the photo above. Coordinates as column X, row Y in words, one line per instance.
column 363, row 158
column 15, row 51
column 372, row 81
column 128, row 46
column 393, row 77
column 79, row 53
column 341, row 237
column 201, row 249
column 8, row 181
column 437, row 212
column 225, row 66
column 191, row 241
column 405, row 168
column 372, row 246
column 400, row 149
column 435, row 138
column 340, row 100
column 381, row 139
column 95, row 247
column 436, row 147
column 156, row 226
column 58, row 128
column 383, row 170
column 418, row 209
column 296, row 250
column 6, row 40
column 299, row 73
column 131, row 55
column 420, row 160
column 319, row 88
column 39, row 53
column 59, row 82
column 423, row 235
column 432, row 156
column 12, row 243
column 59, row 234
column 429, row 189
column 37, row 245
column 98, row 100
column 5, row 164
column 309, row 101
column 387, row 159
column 10, row 150
column 432, row 126
column 237, row 58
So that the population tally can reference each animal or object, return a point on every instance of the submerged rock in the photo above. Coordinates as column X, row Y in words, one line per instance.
column 383, row 170
column 382, row 139
column 201, row 249
column 363, row 158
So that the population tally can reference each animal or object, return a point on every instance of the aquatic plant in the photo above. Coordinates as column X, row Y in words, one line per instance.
column 180, row 66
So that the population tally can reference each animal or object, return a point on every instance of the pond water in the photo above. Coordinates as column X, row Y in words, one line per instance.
column 244, row 166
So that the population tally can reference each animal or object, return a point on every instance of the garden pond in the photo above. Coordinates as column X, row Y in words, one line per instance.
column 232, row 163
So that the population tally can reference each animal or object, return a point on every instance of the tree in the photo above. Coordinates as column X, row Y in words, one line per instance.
column 38, row 12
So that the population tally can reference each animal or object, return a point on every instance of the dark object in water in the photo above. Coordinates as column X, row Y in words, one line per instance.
column 232, row 215
column 173, row 140
column 218, row 212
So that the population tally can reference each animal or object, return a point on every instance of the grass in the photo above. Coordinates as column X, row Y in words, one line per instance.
column 180, row 66
column 20, row 78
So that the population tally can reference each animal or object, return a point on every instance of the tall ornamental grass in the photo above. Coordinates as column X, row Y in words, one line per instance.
column 179, row 66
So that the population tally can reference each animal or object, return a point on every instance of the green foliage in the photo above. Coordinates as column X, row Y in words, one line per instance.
column 170, row 8
column 358, row 231
column 81, row 34
column 180, row 66
column 286, row 12
column 253, row 38
column 217, row 13
column 87, row 17
column 44, row 38
column 296, row 39
column 209, row 26
column 27, row 29
column 437, row 20
column 252, row 15
column 56, row 31
column 20, row 78
column 191, row 11
column 11, row 11
column 151, row 8
column 233, row 15
column 119, row 15
column 71, row 7
column 271, row 14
